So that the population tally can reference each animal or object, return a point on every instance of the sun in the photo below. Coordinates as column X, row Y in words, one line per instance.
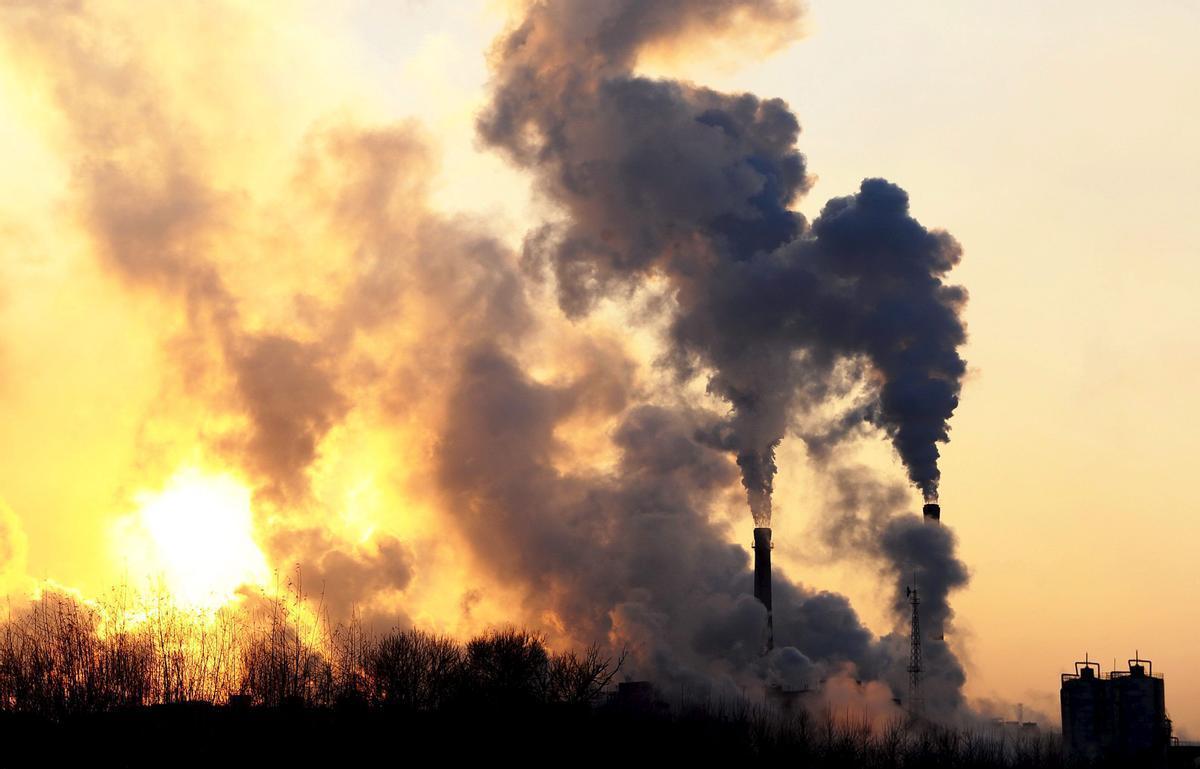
column 195, row 535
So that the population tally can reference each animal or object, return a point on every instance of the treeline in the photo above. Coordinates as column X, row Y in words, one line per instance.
column 61, row 657
column 118, row 685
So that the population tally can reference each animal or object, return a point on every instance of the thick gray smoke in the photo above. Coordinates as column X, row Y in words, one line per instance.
column 868, row 519
column 654, row 178
column 658, row 177
column 633, row 554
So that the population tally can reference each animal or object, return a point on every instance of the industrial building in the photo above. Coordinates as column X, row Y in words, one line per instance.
column 1118, row 717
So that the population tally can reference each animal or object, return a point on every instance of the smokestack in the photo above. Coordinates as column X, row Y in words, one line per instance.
column 933, row 515
column 762, row 576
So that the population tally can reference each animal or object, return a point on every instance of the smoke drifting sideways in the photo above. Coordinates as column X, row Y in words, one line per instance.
column 298, row 304
column 427, row 324
column 664, row 178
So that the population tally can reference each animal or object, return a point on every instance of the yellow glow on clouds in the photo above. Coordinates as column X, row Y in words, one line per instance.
column 196, row 536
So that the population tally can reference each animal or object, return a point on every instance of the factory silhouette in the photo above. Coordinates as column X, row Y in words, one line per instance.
column 1120, row 718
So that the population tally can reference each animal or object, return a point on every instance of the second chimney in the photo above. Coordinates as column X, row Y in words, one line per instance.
column 762, row 577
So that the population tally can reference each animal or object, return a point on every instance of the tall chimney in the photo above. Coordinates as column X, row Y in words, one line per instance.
column 762, row 577
column 933, row 516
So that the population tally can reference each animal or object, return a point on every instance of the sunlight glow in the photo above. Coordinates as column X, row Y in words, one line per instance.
column 196, row 536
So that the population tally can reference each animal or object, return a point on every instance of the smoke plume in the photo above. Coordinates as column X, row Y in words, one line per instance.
column 659, row 573
column 290, row 306
column 663, row 178
column 868, row 519
column 337, row 317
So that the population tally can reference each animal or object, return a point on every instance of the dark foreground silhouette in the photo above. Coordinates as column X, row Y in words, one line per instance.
column 81, row 686
column 200, row 734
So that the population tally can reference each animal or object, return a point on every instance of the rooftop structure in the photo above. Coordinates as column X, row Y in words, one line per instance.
column 1121, row 716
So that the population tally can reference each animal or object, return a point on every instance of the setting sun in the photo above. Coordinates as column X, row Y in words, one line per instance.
column 808, row 359
column 196, row 536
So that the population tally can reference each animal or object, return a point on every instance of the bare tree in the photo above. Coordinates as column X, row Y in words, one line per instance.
column 580, row 679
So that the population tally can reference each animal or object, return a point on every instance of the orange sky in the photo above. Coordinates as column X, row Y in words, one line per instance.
column 1056, row 143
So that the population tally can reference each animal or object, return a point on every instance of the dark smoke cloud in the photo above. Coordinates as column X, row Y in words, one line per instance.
column 631, row 555
column 654, row 178
column 867, row 519
column 928, row 551
column 664, row 178
column 922, row 555
column 899, row 314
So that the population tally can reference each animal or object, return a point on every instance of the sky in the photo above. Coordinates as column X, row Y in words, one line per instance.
column 1054, row 141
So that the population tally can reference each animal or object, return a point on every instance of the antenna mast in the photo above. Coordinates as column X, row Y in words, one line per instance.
column 915, row 703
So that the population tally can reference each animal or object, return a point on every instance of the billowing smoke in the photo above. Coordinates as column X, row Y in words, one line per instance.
column 659, row 179
column 430, row 319
column 890, row 305
column 632, row 555
column 143, row 197
column 662, row 178
column 868, row 519
column 275, row 367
